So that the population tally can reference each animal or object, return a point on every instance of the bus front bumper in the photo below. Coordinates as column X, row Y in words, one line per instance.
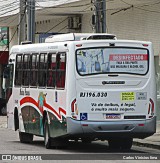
column 108, row 129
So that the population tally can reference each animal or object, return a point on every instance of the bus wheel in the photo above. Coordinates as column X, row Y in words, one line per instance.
column 25, row 137
column 4, row 111
column 121, row 143
column 126, row 143
column 47, row 139
column 114, row 144
column 60, row 143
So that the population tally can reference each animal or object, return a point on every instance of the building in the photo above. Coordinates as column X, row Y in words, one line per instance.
column 127, row 19
column 4, row 54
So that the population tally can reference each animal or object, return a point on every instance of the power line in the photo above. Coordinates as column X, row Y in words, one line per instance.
column 9, row 11
column 144, row 5
column 8, row 7
column 123, row 9
column 57, row 25
column 63, row 21
column 9, row 4
column 13, row 20
column 147, row 10
column 62, row 28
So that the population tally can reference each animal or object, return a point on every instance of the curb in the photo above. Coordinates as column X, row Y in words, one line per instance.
column 154, row 146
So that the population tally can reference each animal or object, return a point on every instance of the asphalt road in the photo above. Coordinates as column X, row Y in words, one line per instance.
column 10, row 145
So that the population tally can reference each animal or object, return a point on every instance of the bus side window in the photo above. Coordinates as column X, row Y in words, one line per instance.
column 51, row 74
column 42, row 74
column 26, row 70
column 34, row 70
column 18, row 70
column 61, row 70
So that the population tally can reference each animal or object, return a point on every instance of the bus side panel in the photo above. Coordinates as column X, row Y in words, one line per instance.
column 32, row 110
column 10, row 113
column 57, row 128
column 56, row 108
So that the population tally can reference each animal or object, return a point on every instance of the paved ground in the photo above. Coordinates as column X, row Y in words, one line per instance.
column 91, row 151
column 3, row 122
column 152, row 141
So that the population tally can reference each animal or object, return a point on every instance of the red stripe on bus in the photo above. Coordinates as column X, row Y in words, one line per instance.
column 31, row 100
column 62, row 110
column 50, row 108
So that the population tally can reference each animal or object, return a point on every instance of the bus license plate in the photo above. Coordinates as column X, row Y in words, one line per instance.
column 113, row 116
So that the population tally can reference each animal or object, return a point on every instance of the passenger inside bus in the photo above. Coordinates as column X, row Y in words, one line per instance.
column 61, row 66
column 52, row 70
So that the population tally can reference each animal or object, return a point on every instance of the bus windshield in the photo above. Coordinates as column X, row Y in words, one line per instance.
column 112, row 60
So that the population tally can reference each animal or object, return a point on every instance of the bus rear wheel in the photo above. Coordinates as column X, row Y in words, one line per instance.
column 120, row 143
column 47, row 139
column 25, row 137
column 126, row 143
column 4, row 111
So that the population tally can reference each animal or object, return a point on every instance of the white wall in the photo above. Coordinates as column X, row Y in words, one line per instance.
column 46, row 25
column 136, row 24
column 131, row 24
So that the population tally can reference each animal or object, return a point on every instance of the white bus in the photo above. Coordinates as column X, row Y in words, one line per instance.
column 82, row 87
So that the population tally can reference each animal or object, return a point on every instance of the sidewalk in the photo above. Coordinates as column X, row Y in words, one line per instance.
column 152, row 141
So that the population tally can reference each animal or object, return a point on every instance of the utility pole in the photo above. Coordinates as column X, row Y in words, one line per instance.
column 31, row 20
column 22, row 21
column 104, row 17
column 99, row 16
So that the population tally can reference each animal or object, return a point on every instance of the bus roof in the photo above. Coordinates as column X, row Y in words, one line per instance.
column 79, row 36
column 56, row 46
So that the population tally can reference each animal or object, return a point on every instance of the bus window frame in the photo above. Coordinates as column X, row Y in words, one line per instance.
column 35, row 70
column 43, row 69
column 27, row 70
column 148, row 53
column 65, row 55
column 19, row 70
column 50, row 71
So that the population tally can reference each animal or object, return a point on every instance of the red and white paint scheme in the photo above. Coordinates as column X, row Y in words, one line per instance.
column 82, row 87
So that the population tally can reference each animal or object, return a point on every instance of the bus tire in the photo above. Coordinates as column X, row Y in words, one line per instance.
column 120, row 143
column 16, row 119
column 47, row 139
column 4, row 111
column 60, row 143
column 114, row 144
column 25, row 137
column 126, row 143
